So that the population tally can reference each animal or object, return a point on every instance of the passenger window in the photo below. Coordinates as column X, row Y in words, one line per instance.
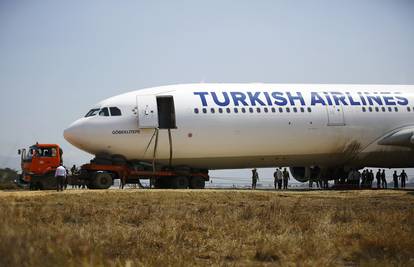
column 281, row 110
column 243, row 110
column 396, row 109
column 389, row 109
column 212, row 110
column 258, row 110
column 115, row 111
column 273, row 110
column 287, row 110
column 204, row 110
column 228, row 110
column 309, row 110
column 295, row 109
column 196, row 111
column 104, row 112
column 251, row 110
column 220, row 110
column 364, row 109
column 236, row 110
column 408, row 109
column 266, row 110
column 302, row 110
column 383, row 109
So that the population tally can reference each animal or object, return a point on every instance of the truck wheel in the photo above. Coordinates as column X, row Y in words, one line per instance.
column 102, row 180
column 179, row 182
column 197, row 182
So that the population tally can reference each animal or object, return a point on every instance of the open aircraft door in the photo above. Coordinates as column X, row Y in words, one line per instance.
column 335, row 115
column 147, row 111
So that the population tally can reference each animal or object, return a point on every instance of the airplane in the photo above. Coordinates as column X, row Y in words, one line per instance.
column 315, row 129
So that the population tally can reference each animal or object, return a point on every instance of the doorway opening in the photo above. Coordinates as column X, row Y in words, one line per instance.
column 166, row 112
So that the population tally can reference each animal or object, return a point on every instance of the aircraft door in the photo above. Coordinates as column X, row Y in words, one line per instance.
column 147, row 111
column 335, row 115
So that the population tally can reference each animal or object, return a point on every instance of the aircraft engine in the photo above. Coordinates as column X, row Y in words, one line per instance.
column 302, row 174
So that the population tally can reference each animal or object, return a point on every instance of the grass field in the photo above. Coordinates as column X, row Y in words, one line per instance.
column 210, row 227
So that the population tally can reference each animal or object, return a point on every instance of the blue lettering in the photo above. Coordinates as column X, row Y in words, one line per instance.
column 371, row 99
column 401, row 100
column 268, row 100
column 238, row 97
column 202, row 96
column 328, row 98
column 361, row 96
column 255, row 98
column 297, row 97
column 339, row 99
column 279, row 99
column 223, row 103
column 351, row 100
column 317, row 99
column 388, row 100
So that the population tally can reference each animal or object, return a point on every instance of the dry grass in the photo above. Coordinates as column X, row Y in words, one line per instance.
column 211, row 227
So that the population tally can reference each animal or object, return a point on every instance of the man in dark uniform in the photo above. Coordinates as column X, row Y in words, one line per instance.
column 371, row 179
column 378, row 177
column 383, row 179
column 395, row 178
column 286, row 178
column 255, row 177
column 364, row 178
column 403, row 177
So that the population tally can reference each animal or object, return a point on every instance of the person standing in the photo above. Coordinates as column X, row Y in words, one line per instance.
column 364, row 178
column 403, row 177
column 60, row 176
column 378, row 177
column 277, row 175
column 286, row 178
column 370, row 179
column 255, row 177
column 383, row 179
column 395, row 178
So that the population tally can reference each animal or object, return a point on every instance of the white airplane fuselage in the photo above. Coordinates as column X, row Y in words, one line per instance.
column 227, row 126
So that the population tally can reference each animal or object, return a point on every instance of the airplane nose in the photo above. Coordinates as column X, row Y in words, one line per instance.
column 74, row 133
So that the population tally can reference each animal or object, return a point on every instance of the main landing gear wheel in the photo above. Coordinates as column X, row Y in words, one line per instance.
column 102, row 180
column 179, row 182
column 197, row 182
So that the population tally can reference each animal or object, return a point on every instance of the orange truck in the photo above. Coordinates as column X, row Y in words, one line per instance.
column 40, row 161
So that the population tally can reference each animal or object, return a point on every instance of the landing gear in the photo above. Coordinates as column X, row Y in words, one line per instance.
column 101, row 180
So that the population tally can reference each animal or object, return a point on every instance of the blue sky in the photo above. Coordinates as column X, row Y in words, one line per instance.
column 58, row 58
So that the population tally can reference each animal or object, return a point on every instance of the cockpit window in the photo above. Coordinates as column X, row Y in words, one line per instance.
column 115, row 111
column 92, row 112
column 104, row 112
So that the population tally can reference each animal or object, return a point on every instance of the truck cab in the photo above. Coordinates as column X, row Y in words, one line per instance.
column 39, row 163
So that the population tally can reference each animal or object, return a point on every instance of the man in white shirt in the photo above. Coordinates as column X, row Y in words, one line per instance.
column 60, row 175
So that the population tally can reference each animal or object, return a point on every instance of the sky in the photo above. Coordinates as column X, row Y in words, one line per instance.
column 58, row 58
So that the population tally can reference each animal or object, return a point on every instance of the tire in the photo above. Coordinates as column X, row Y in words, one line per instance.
column 197, row 182
column 179, row 182
column 102, row 180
